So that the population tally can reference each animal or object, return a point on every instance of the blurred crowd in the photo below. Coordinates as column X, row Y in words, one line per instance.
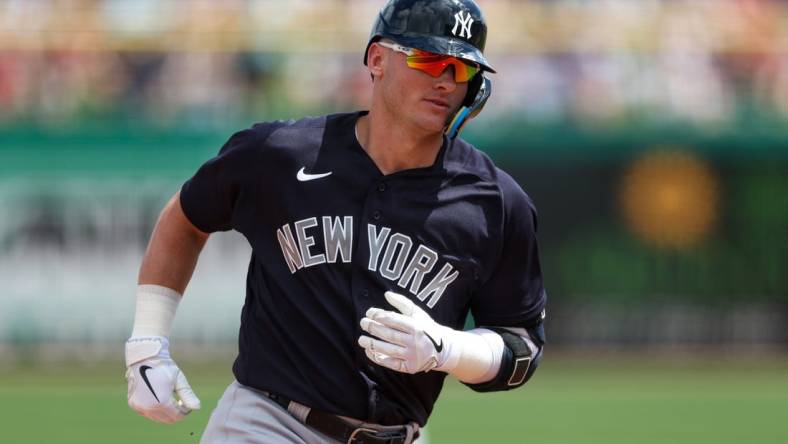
column 661, row 227
column 707, row 62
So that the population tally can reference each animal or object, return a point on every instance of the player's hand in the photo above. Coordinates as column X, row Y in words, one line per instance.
column 154, row 380
column 408, row 341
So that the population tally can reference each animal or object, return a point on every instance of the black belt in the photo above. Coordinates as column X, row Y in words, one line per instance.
column 343, row 431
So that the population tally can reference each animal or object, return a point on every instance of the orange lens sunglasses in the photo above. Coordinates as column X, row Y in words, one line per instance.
column 434, row 64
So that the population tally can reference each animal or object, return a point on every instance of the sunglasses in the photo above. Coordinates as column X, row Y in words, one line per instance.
column 434, row 64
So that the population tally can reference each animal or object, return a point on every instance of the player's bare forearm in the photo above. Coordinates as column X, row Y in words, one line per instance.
column 173, row 250
column 166, row 269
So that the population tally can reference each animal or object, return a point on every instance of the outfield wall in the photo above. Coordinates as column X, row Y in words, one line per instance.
column 77, row 210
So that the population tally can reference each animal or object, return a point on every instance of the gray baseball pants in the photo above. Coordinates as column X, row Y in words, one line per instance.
column 246, row 416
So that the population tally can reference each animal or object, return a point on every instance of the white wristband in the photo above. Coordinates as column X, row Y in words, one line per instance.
column 475, row 355
column 156, row 306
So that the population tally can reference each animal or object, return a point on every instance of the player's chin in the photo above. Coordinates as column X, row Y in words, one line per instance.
column 434, row 116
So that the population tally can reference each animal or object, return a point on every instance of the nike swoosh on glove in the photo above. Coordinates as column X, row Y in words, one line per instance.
column 155, row 380
column 408, row 341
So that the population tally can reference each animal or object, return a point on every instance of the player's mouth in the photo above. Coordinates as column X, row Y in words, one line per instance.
column 438, row 104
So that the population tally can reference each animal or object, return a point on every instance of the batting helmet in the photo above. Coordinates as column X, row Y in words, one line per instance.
column 452, row 27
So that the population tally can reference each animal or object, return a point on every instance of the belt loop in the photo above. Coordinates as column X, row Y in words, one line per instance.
column 411, row 428
column 299, row 411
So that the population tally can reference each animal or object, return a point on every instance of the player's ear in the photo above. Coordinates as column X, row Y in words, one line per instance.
column 376, row 60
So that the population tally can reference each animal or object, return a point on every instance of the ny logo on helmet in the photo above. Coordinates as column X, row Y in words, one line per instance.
column 464, row 22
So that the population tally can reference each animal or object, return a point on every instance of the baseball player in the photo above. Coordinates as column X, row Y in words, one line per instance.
column 373, row 235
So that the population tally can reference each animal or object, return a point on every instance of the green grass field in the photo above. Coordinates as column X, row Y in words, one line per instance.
column 571, row 400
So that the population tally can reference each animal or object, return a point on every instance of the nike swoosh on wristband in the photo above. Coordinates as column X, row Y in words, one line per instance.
column 438, row 347
column 304, row 177
column 143, row 370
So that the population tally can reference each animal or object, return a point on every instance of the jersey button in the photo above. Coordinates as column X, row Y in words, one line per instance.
column 365, row 294
column 381, row 187
column 376, row 215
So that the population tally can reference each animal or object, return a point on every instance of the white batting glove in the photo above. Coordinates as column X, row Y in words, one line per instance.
column 154, row 378
column 409, row 341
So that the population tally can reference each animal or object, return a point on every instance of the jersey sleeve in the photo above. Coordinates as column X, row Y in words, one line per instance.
column 514, row 294
column 209, row 197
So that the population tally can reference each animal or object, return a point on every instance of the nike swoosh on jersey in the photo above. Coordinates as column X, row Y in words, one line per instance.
column 304, row 177
column 438, row 347
column 143, row 370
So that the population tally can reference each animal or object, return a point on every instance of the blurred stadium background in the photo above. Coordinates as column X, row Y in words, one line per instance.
column 651, row 134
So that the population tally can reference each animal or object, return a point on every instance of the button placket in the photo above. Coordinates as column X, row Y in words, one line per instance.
column 361, row 293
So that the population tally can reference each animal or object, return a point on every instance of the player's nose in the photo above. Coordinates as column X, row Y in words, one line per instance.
column 445, row 81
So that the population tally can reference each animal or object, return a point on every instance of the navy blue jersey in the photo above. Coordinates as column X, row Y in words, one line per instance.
column 330, row 234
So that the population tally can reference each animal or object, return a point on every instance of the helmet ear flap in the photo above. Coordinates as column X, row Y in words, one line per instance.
column 470, row 107
column 473, row 89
